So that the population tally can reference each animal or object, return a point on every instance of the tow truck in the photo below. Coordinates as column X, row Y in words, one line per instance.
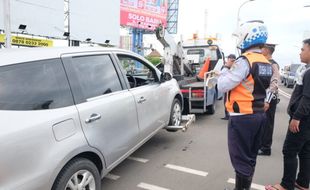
column 184, row 61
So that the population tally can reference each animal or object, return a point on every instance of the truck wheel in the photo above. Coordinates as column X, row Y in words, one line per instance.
column 217, row 95
column 211, row 109
column 78, row 173
column 287, row 84
column 175, row 114
column 186, row 107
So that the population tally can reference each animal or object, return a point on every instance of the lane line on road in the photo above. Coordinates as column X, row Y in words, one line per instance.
column 253, row 185
column 287, row 95
column 138, row 159
column 150, row 187
column 112, row 176
column 186, row 170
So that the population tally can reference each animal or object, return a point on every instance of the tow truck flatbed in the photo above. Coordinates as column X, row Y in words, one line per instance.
column 194, row 85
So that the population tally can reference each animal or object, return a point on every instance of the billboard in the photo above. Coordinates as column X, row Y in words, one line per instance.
column 96, row 20
column 39, row 17
column 144, row 14
column 28, row 42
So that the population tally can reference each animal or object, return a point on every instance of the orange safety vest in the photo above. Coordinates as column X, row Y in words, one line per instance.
column 204, row 69
column 248, row 97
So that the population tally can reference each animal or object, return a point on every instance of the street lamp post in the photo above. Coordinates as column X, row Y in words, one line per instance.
column 306, row 32
column 238, row 15
column 238, row 20
column 7, row 23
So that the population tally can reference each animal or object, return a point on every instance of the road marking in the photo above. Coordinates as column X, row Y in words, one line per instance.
column 287, row 95
column 187, row 170
column 253, row 185
column 138, row 159
column 112, row 176
column 150, row 187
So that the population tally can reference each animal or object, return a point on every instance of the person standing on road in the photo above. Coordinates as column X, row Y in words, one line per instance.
column 245, row 82
column 230, row 60
column 270, row 101
column 297, row 140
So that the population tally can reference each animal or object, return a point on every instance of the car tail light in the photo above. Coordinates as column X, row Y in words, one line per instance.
column 184, row 91
column 197, row 93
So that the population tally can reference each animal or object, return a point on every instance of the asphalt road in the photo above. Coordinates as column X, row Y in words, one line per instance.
column 197, row 159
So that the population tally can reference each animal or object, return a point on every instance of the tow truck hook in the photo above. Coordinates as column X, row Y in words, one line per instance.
column 187, row 120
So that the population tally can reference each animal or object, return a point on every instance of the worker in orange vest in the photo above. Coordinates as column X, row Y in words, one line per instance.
column 245, row 82
column 204, row 69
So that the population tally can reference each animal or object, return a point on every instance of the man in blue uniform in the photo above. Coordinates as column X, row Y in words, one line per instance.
column 270, row 101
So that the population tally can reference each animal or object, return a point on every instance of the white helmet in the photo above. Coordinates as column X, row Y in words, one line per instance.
column 251, row 33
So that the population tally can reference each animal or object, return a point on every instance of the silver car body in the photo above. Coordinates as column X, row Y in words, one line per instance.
column 289, row 75
column 36, row 144
column 299, row 74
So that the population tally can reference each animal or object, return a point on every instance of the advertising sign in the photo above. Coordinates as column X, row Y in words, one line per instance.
column 144, row 14
column 39, row 17
column 97, row 20
column 29, row 42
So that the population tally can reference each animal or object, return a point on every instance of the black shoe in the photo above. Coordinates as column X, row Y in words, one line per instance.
column 224, row 118
column 264, row 152
column 243, row 183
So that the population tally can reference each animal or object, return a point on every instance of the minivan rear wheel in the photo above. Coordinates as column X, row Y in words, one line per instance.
column 79, row 173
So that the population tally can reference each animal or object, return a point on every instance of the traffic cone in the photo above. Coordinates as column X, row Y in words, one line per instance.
column 204, row 69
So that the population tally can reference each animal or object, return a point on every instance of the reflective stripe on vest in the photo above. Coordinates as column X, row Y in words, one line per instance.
column 248, row 97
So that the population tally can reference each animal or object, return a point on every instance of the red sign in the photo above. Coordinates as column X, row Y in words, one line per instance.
column 144, row 14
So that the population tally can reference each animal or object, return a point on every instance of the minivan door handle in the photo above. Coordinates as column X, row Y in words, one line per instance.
column 141, row 100
column 93, row 117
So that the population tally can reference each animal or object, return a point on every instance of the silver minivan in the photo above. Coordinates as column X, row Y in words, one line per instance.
column 70, row 115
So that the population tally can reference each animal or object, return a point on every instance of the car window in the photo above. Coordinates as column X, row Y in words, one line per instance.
column 294, row 67
column 137, row 71
column 34, row 86
column 210, row 51
column 96, row 75
column 199, row 52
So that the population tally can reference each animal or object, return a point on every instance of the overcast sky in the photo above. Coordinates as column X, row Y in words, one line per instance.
column 287, row 21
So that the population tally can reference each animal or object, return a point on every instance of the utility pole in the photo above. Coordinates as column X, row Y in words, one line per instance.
column 206, row 23
column 67, row 20
column 7, row 22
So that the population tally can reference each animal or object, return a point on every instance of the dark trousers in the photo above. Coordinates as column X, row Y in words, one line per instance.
column 225, row 99
column 297, row 144
column 269, row 125
column 244, row 139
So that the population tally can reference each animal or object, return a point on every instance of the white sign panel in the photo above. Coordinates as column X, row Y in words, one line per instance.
column 96, row 20
column 41, row 17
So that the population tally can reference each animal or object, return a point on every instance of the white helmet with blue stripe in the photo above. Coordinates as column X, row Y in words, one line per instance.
column 251, row 33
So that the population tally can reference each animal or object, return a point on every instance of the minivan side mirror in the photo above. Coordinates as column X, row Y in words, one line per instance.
column 165, row 76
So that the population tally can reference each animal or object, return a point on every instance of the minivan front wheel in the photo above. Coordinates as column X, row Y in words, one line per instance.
column 78, row 174
column 175, row 114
